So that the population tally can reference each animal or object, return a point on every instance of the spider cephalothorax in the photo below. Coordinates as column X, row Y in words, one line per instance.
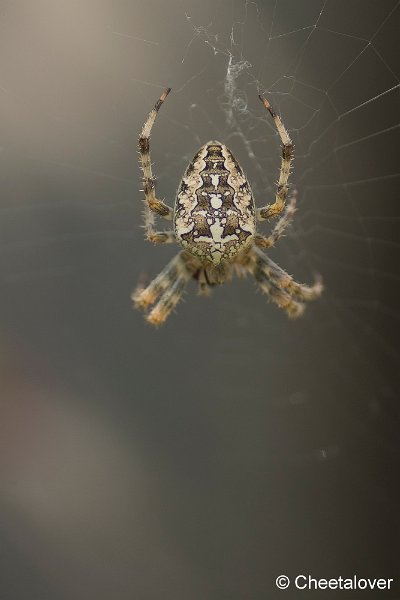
column 214, row 221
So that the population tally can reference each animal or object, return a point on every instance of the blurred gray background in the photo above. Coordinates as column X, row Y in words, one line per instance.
column 204, row 459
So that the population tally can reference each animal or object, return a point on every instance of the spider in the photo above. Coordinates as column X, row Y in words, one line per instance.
column 214, row 221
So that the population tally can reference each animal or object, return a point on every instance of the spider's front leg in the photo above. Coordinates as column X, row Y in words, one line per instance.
column 153, row 206
column 266, row 242
column 271, row 210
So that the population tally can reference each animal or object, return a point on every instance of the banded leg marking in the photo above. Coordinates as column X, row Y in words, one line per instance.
column 168, row 286
column 286, row 282
column 162, row 237
column 271, row 210
column 277, row 294
column 167, row 302
column 279, row 229
column 144, row 297
column 152, row 204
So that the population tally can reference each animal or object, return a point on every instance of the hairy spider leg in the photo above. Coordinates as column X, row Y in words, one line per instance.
column 300, row 291
column 167, row 302
column 143, row 297
column 163, row 237
column 168, row 286
column 152, row 204
column 280, row 227
column 272, row 288
column 271, row 210
column 171, row 296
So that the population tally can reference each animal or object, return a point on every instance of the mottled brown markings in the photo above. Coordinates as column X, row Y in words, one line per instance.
column 159, row 207
column 237, row 204
column 201, row 228
column 264, row 212
column 148, row 185
column 214, row 168
column 144, row 145
column 287, row 152
column 161, row 99
column 244, row 189
column 232, row 223
column 214, row 149
column 214, row 154
column 196, row 156
column 183, row 187
column 189, row 169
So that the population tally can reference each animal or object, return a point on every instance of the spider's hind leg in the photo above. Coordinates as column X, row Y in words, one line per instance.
column 271, row 287
column 299, row 291
column 168, row 286
column 168, row 301
column 143, row 297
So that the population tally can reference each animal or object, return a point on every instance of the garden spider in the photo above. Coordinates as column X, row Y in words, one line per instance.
column 214, row 220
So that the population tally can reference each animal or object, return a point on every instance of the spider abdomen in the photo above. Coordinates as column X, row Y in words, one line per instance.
column 214, row 215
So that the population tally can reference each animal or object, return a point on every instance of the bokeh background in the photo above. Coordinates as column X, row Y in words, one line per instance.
column 204, row 459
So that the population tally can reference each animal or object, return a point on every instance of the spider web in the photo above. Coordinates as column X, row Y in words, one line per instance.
column 249, row 414
column 335, row 79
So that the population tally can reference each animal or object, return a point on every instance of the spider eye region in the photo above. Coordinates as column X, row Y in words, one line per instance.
column 214, row 215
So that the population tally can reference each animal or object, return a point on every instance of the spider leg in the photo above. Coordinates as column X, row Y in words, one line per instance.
column 277, row 294
column 143, row 297
column 271, row 210
column 204, row 285
column 167, row 302
column 152, row 204
column 280, row 227
column 284, row 281
column 168, row 286
column 162, row 237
